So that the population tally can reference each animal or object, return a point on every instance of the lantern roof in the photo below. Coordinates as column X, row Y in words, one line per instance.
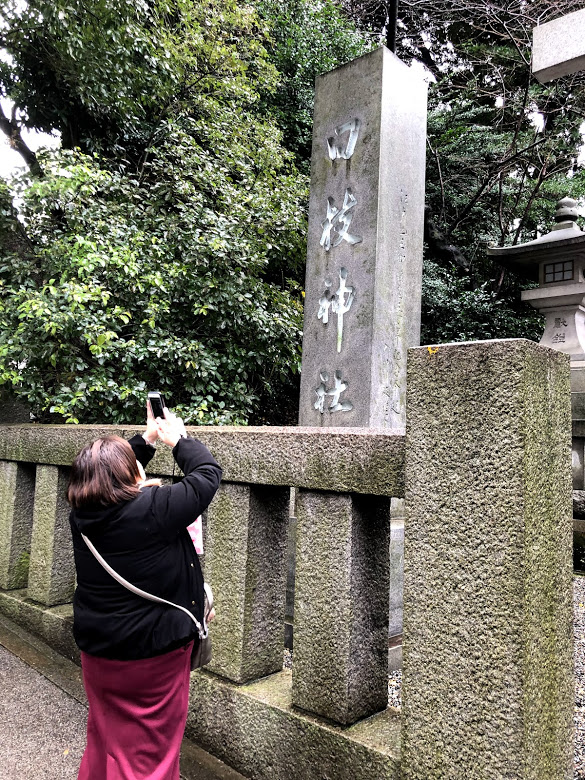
column 566, row 240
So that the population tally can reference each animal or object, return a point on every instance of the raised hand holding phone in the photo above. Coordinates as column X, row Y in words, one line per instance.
column 151, row 433
column 170, row 428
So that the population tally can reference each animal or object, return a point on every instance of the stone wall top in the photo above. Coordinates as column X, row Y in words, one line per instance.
column 357, row 460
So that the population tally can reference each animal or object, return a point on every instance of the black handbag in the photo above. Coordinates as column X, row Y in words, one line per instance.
column 201, row 654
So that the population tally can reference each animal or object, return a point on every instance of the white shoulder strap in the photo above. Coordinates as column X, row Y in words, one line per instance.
column 203, row 630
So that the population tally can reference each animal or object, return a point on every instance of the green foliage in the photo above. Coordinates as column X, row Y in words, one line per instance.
column 150, row 245
column 164, row 246
column 140, row 285
column 107, row 73
column 308, row 39
column 454, row 311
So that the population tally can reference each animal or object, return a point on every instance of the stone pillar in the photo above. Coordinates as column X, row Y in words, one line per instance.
column 52, row 569
column 364, row 254
column 396, row 565
column 245, row 564
column 17, row 485
column 340, row 666
column 487, row 642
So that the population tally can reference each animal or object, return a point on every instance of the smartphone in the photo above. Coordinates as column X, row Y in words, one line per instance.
column 157, row 404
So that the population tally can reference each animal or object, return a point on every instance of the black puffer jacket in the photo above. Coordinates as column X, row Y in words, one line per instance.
column 146, row 541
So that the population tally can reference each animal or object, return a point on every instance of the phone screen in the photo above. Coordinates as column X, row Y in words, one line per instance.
column 157, row 405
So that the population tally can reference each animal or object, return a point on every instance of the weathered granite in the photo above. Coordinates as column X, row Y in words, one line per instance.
column 341, row 605
column 351, row 460
column 52, row 624
column 487, row 645
column 245, row 563
column 17, row 485
column 365, row 240
column 51, row 578
column 558, row 47
column 254, row 729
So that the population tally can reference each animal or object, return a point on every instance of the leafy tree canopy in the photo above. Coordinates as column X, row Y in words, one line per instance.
column 501, row 150
column 308, row 39
column 107, row 73
column 163, row 246
column 148, row 238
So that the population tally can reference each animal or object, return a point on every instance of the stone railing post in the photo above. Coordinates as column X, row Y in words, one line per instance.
column 340, row 668
column 487, row 642
column 245, row 563
column 17, row 484
column 52, row 569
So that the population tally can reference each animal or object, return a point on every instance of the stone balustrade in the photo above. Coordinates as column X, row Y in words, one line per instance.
column 484, row 468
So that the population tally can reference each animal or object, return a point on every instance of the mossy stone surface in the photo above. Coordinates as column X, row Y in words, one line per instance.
column 52, row 568
column 52, row 624
column 245, row 563
column 341, row 605
column 359, row 460
column 254, row 729
column 17, row 482
column 487, row 642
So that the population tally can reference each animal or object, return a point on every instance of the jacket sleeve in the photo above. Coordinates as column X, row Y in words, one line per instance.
column 177, row 506
column 144, row 452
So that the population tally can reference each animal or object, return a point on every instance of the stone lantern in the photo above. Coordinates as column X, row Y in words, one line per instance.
column 557, row 261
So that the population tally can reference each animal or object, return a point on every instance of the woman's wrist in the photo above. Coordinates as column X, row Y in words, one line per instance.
column 147, row 438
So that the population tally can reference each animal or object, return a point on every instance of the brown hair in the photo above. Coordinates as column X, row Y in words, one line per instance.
column 104, row 472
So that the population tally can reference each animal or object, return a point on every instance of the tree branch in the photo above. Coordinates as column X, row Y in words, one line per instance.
column 440, row 245
column 501, row 166
column 11, row 129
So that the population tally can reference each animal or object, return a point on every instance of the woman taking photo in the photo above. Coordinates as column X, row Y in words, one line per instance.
column 135, row 653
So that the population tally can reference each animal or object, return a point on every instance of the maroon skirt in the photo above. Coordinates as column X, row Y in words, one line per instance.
column 137, row 715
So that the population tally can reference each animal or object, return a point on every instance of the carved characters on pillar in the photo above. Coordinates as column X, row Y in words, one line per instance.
column 335, row 143
column 336, row 229
column 559, row 336
column 336, row 224
column 339, row 387
column 339, row 303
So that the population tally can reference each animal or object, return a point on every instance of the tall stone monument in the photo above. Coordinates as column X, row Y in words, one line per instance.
column 364, row 255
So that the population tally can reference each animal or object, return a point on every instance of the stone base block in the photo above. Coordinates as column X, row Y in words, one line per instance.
column 254, row 729
column 341, row 605
column 487, row 683
column 52, row 624
column 51, row 578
